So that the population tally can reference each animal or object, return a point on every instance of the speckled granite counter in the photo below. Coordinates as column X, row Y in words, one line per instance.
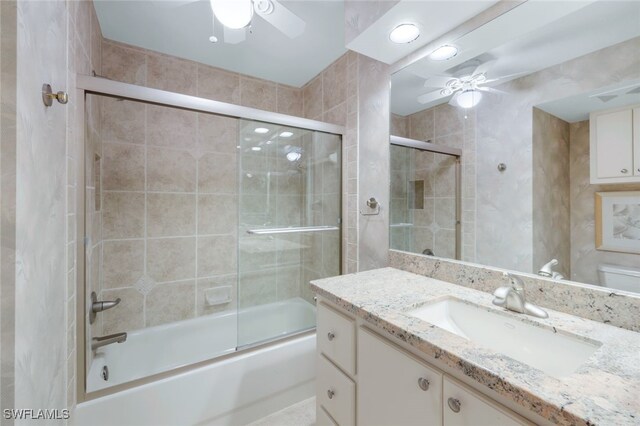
column 605, row 390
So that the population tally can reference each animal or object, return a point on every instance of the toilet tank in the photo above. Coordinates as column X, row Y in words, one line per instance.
column 620, row 277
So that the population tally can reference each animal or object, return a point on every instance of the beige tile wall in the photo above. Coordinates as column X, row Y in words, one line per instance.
column 187, row 173
column 135, row 65
column 332, row 96
column 169, row 212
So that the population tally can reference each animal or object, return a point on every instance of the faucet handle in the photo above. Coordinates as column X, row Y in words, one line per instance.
column 515, row 281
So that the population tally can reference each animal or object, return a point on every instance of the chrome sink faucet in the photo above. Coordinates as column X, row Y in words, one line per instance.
column 98, row 342
column 512, row 298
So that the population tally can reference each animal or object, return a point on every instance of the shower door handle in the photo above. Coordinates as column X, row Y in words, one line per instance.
column 292, row 230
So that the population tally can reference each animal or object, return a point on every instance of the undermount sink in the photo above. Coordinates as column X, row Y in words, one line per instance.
column 557, row 354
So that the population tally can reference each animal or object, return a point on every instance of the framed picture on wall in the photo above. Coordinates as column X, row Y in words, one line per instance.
column 618, row 221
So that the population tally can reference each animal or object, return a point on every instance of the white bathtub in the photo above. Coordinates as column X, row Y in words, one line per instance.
column 235, row 390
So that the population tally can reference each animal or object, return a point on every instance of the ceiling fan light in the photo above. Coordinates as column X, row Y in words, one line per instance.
column 443, row 53
column 404, row 33
column 233, row 14
column 468, row 98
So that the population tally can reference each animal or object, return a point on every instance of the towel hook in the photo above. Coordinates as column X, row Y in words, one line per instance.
column 48, row 96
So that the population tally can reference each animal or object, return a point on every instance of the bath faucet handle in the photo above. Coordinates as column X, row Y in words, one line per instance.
column 100, row 305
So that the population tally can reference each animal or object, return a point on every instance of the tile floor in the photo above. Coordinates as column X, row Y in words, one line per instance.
column 301, row 414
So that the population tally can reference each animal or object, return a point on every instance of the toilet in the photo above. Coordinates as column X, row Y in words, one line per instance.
column 624, row 278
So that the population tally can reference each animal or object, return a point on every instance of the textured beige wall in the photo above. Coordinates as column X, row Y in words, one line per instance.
column 53, row 41
column 504, row 224
column 8, row 77
column 584, row 256
column 551, row 233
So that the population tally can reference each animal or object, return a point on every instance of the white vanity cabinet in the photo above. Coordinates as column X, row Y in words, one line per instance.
column 395, row 388
column 382, row 384
column 615, row 145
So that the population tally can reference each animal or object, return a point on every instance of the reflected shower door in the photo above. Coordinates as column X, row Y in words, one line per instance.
column 289, row 226
column 425, row 202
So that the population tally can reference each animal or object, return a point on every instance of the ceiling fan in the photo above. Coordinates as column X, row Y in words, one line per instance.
column 237, row 15
column 467, row 89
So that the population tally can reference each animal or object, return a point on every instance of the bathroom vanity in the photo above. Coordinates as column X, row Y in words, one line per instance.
column 396, row 348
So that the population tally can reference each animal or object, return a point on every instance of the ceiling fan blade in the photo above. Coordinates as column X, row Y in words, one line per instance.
column 283, row 19
column 438, row 81
column 483, row 68
column 492, row 90
column 430, row 97
column 234, row 36
column 504, row 77
column 452, row 101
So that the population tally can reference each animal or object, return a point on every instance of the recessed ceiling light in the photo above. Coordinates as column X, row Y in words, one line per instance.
column 443, row 53
column 261, row 130
column 286, row 134
column 404, row 33
column 269, row 142
column 213, row 39
column 256, row 148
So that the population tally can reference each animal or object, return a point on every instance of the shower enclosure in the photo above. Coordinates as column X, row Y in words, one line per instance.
column 205, row 222
column 425, row 198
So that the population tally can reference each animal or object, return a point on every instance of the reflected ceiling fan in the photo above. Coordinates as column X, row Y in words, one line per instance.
column 467, row 90
column 236, row 16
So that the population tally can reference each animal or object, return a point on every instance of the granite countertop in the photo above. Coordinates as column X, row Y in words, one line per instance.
column 604, row 390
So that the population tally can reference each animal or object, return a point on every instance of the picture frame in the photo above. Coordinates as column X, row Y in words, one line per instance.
column 617, row 217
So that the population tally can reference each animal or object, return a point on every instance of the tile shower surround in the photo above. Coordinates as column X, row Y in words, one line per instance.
column 448, row 126
column 169, row 217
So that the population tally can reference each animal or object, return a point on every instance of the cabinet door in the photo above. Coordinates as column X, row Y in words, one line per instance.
column 636, row 141
column 614, row 144
column 389, row 386
column 464, row 407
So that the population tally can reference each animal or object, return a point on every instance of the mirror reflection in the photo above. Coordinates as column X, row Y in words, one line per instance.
column 545, row 113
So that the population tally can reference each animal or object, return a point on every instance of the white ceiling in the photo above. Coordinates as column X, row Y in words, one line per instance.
column 183, row 30
column 577, row 108
column 433, row 17
column 530, row 37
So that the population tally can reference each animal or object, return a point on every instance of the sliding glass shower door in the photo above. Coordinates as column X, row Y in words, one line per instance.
column 289, row 226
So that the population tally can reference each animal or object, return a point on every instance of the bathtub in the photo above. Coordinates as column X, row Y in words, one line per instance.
column 236, row 389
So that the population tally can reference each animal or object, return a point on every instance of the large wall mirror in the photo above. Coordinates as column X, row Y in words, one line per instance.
column 542, row 106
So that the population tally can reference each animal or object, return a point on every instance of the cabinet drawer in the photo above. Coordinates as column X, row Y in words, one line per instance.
column 335, row 392
column 322, row 418
column 474, row 409
column 336, row 337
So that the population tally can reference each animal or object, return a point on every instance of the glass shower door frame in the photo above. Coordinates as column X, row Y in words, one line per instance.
column 444, row 150
column 91, row 85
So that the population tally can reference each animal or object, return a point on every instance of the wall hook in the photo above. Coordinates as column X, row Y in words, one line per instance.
column 48, row 96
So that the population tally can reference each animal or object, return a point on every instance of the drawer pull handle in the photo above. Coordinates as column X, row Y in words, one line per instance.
column 330, row 335
column 454, row 404
column 423, row 383
column 330, row 393
column 624, row 171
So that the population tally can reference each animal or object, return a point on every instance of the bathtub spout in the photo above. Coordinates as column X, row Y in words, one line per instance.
column 98, row 342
